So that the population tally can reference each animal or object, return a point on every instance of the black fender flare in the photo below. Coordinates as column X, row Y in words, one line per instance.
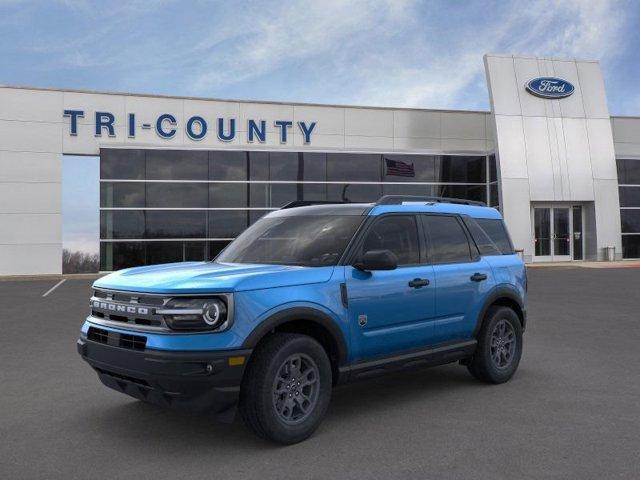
column 497, row 294
column 299, row 313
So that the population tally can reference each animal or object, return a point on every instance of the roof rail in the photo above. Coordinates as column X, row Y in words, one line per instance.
column 307, row 203
column 399, row 199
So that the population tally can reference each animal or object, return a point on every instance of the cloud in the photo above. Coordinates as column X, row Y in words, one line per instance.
column 387, row 52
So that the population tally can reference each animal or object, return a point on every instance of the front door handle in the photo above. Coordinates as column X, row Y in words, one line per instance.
column 478, row 277
column 418, row 282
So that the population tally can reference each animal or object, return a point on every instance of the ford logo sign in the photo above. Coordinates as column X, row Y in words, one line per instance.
column 549, row 87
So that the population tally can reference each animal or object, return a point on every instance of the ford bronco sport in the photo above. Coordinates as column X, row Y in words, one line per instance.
column 309, row 297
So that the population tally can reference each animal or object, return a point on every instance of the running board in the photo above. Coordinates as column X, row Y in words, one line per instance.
column 429, row 357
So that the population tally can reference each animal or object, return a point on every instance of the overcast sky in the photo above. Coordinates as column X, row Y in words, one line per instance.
column 392, row 53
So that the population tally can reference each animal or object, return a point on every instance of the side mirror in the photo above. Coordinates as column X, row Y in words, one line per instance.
column 377, row 260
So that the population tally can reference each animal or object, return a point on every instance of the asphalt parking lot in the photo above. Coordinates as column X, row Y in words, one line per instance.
column 571, row 411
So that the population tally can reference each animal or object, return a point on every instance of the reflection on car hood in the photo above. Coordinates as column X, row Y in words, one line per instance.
column 204, row 277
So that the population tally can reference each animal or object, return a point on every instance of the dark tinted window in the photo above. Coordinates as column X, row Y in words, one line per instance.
column 176, row 224
column 177, row 195
column 409, row 168
column 121, row 224
column 629, row 196
column 228, row 165
column 314, row 166
column 461, row 169
column 313, row 241
column 497, row 232
column 129, row 195
column 630, row 221
column 258, row 166
column 468, row 192
column 631, row 246
column 284, row 166
column 122, row 163
column 119, row 255
column 177, row 165
column 353, row 192
column 397, row 233
column 354, row 167
column 447, row 240
column 228, row 195
column 227, row 223
column 164, row 252
column 628, row 171
column 485, row 244
column 493, row 169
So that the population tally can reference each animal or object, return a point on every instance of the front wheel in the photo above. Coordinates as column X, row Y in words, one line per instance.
column 287, row 387
column 499, row 346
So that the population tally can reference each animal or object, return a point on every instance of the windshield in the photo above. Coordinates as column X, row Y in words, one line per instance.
column 310, row 241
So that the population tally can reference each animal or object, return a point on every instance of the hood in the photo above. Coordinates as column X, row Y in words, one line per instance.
column 209, row 277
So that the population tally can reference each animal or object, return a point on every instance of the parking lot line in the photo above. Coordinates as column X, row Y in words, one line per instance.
column 54, row 287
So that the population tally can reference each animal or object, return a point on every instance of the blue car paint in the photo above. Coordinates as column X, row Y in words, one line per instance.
column 397, row 318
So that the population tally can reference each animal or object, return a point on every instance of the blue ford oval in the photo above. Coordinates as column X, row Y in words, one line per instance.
column 550, row 87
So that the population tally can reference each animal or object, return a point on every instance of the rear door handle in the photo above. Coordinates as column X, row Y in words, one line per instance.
column 418, row 282
column 478, row 277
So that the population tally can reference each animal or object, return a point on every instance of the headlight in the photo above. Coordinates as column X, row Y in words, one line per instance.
column 196, row 314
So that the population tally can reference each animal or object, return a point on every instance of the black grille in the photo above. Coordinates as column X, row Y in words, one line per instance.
column 123, row 340
column 98, row 335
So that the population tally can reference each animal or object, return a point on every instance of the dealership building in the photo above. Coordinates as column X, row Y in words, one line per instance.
column 181, row 177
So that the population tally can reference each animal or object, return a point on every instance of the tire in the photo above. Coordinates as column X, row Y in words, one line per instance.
column 495, row 360
column 274, row 403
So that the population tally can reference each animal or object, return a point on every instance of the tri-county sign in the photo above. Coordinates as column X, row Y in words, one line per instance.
column 549, row 87
column 196, row 127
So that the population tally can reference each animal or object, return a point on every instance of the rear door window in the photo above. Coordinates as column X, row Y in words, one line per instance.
column 497, row 232
column 448, row 242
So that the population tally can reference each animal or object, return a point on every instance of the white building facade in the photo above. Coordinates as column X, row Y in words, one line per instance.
column 181, row 177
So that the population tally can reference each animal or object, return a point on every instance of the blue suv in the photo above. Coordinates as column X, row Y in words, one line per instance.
column 308, row 297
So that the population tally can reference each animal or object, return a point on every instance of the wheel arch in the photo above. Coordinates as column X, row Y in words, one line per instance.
column 502, row 296
column 307, row 321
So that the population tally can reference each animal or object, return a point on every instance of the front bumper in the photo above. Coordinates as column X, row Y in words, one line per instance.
column 194, row 381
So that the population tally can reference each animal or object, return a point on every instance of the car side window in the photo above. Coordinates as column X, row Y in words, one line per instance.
column 448, row 242
column 396, row 233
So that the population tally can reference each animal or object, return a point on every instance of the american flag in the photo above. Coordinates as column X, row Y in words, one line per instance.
column 398, row 168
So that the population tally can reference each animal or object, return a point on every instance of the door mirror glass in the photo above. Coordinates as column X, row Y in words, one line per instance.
column 377, row 260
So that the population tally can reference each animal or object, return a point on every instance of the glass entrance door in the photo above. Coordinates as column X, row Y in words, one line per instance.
column 557, row 233
column 561, row 234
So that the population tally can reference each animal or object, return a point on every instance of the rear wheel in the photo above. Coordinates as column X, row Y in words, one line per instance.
column 499, row 346
column 287, row 388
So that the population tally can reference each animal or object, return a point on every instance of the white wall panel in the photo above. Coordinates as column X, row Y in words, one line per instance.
column 601, row 149
column 30, row 228
column 86, row 143
column 463, row 125
column 626, row 129
column 30, row 105
column 461, row 145
column 30, row 259
column 607, row 206
column 30, row 198
column 502, row 79
column 570, row 106
column 578, row 159
column 416, row 124
column 368, row 143
column 538, row 154
column 526, row 69
column 511, row 147
column 593, row 90
column 516, row 211
column 30, row 167
column 329, row 120
column 30, row 136
column 421, row 144
column 368, row 122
